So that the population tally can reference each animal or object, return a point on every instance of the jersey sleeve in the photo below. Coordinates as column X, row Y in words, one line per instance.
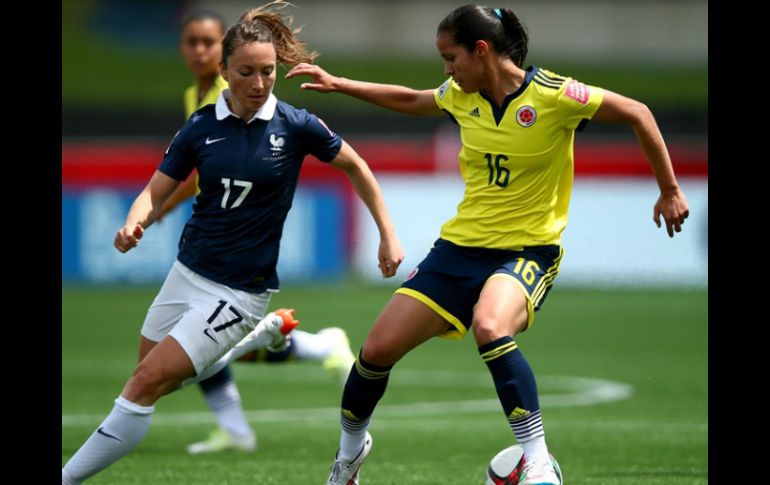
column 179, row 160
column 444, row 97
column 324, row 143
column 577, row 103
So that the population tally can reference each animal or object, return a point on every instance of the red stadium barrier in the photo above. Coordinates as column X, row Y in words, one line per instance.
column 123, row 164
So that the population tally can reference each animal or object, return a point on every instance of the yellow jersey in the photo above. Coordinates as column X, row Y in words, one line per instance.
column 191, row 104
column 516, row 161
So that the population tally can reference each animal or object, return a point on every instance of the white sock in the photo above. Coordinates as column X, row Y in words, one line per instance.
column 535, row 447
column 118, row 434
column 225, row 401
column 351, row 444
column 316, row 346
column 353, row 435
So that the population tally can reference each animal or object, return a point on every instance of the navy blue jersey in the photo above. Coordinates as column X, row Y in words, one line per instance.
column 248, row 173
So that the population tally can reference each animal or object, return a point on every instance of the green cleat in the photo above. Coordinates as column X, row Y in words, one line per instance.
column 341, row 359
column 220, row 440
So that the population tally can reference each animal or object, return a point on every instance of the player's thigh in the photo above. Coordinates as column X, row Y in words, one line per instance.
column 515, row 291
column 403, row 324
column 145, row 346
column 502, row 309
column 160, row 372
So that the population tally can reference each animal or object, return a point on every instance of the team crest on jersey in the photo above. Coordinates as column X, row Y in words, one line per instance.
column 442, row 89
column 578, row 91
column 276, row 143
column 411, row 275
column 526, row 116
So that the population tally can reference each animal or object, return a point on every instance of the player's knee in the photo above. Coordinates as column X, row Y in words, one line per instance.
column 489, row 326
column 145, row 386
column 487, row 329
column 379, row 352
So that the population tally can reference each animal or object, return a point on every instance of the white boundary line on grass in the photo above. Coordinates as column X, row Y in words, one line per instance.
column 577, row 391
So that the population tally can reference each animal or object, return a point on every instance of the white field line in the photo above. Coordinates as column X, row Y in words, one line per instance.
column 570, row 392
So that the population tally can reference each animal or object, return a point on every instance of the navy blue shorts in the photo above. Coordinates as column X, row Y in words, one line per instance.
column 450, row 279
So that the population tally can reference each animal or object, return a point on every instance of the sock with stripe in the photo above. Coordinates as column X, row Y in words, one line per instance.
column 517, row 391
column 118, row 434
column 365, row 387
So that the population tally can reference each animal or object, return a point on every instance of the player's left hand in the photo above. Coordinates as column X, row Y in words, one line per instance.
column 322, row 81
column 673, row 206
column 390, row 256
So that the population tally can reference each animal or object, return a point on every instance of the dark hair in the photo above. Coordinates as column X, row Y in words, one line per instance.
column 263, row 25
column 498, row 26
column 202, row 14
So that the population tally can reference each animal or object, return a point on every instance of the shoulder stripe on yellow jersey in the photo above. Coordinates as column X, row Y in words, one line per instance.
column 551, row 78
column 547, row 83
column 541, row 83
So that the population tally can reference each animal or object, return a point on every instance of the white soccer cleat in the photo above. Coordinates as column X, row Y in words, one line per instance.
column 220, row 440
column 346, row 472
column 341, row 359
column 541, row 472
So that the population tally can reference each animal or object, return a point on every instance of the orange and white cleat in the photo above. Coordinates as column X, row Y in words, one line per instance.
column 280, row 324
column 289, row 323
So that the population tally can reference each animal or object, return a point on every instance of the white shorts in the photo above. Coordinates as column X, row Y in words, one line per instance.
column 205, row 317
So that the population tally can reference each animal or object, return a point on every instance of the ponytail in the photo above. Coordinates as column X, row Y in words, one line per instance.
column 266, row 24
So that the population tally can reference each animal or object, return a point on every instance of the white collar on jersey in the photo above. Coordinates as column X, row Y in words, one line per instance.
column 264, row 113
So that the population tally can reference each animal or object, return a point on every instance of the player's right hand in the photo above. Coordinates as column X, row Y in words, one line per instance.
column 322, row 80
column 128, row 237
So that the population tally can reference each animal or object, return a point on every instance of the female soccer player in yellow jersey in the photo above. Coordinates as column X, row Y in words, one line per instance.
column 201, row 47
column 495, row 261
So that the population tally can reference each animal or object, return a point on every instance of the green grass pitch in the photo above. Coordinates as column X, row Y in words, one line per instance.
column 622, row 374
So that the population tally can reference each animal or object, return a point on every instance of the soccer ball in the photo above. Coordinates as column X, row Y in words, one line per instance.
column 506, row 467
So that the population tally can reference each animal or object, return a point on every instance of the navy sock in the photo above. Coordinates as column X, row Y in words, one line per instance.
column 515, row 385
column 363, row 390
column 217, row 380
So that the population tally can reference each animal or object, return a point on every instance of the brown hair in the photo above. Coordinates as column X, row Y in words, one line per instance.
column 265, row 24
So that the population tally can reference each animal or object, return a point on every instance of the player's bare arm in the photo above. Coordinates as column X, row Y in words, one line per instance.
column 671, row 204
column 390, row 254
column 391, row 96
column 145, row 210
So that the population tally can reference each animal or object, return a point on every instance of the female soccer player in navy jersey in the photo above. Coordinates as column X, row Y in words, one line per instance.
column 201, row 48
column 495, row 261
column 247, row 149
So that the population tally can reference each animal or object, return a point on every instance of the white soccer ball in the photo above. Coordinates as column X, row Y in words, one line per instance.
column 506, row 467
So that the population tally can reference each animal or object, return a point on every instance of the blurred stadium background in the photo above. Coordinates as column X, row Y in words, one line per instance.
column 629, row 306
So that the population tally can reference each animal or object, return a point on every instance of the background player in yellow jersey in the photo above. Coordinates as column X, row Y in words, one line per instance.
column 201, row 47
column 496, row 260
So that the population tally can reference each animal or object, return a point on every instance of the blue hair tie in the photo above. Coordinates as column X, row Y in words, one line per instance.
column 499, row 15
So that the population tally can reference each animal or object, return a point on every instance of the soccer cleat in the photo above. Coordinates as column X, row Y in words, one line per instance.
column 541, row 472
column 346, row 473
column 220, row 440
column 341, row 359
column 280, row 327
